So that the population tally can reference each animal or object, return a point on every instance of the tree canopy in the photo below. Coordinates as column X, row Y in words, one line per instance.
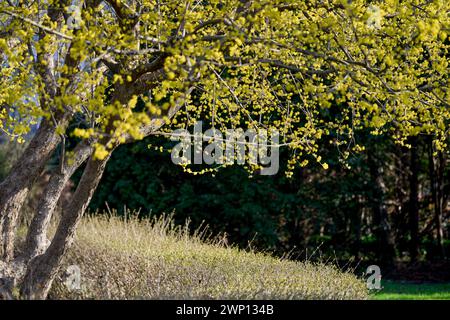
column 317, row 71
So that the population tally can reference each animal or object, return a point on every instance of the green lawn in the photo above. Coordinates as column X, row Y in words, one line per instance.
column 412, row 291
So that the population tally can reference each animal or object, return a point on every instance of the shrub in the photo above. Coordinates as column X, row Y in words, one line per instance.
column 154, row 259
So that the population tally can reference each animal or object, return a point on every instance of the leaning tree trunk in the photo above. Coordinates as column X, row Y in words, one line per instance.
column 36, row 242
column 14, row 189
column 34, row 273
column 42, row 270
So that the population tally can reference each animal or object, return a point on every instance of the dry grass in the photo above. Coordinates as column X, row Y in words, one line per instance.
column 135, row 259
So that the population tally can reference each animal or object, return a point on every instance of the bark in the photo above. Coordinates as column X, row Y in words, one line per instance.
column 42, row 269
column 14, row 189
column 414, row 200
column 10, row 273
column 382, row 226
column 6, row 282
column 36, row 241
column 36, row 279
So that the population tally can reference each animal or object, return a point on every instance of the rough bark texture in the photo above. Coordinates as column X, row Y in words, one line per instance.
column 37, row 242
column 42, row 269
column 41, row 263
column 14, row 189
column 10, row 275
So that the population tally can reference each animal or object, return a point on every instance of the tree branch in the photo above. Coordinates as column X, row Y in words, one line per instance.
column 40, row 26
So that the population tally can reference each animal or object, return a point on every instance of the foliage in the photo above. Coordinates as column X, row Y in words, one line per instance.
column 316, row 71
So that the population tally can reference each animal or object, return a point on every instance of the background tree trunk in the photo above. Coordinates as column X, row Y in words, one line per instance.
column 383, row 232
column 436, row 173
column 414, row 200
column 440, row 202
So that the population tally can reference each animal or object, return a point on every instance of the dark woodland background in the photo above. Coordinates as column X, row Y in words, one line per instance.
column 391, row 207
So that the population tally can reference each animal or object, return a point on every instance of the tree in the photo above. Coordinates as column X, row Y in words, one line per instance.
column 316, row 71
column 436, row 173
column 382, row 225
column 414, row 200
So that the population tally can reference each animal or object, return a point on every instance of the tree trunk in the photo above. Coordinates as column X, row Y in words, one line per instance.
column 36, row 241
column 42, row 269
column 414, row 200
column 356, row 226
column 436, row 182
column 440, row 203
column 383, row 232
column 14, row 189
column 36, row 275
column 10, row 275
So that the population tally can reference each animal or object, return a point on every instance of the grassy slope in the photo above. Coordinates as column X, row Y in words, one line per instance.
column 410, row 291
column 154, row 260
